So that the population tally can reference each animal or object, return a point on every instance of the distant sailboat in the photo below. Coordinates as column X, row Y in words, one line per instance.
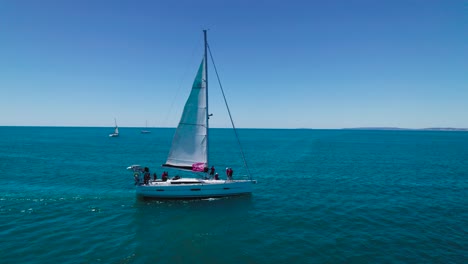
column 116, row 130
column 145, row 131
column 189, row 152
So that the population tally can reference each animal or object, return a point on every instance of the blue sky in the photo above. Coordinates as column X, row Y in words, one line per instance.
column 283, row 64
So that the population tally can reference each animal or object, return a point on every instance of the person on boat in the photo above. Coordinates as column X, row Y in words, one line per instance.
column 229, row 173
column 216, row 176
column 155, row 177
column 212, row 171
column 147, row 176
column 136, row 176
column 164, row 176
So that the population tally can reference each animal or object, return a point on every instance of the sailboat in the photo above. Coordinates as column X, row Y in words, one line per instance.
column 190, row 152
column 116, row 130
column 145, row 131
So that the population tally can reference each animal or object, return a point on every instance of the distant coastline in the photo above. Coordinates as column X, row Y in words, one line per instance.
column 399, row 128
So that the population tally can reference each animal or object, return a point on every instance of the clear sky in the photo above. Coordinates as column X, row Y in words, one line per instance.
column 283, row 64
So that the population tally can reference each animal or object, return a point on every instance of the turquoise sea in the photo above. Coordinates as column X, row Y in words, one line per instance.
column 323, row 196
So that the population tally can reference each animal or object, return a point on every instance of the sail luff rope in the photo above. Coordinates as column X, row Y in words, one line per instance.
column 229, row 112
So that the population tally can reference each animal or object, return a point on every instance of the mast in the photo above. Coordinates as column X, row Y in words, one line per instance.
column 206, row 96
column 189, row 149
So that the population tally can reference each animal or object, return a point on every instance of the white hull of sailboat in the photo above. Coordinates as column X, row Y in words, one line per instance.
column 177, row 189
column 113, row 135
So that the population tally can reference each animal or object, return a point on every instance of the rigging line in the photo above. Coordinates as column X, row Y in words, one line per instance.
column 229, row 112
column 181, row 81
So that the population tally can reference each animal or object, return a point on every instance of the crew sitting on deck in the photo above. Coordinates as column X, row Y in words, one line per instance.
column 216, row 177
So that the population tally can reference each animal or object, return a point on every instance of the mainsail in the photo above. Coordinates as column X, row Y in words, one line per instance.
column 116, row 128
column 189, row 145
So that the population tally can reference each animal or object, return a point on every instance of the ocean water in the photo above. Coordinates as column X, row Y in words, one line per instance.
column 323, row 196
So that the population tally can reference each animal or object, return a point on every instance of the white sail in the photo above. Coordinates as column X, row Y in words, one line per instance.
column 189, row 145
column 116, row 130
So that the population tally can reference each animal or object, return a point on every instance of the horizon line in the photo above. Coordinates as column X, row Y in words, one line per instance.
column 298, row 128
